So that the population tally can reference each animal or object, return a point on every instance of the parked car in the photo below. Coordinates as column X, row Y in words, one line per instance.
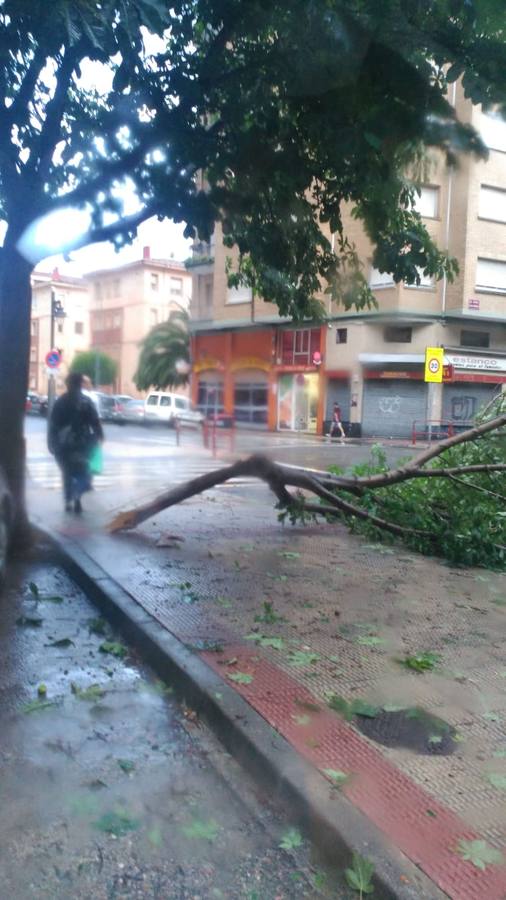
column 167, row 408
column 36, row 404
column 133, row 412
column 104, row 404
column 119, row 403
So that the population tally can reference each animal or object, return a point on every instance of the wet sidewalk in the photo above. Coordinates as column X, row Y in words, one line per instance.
column 384, row 669
column 110, row 790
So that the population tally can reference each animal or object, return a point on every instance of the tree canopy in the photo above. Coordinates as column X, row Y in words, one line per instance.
column 164, row 359
column 290, row 108
column 98, row 366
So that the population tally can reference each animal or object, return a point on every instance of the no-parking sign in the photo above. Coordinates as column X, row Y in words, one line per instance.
column 53, row 359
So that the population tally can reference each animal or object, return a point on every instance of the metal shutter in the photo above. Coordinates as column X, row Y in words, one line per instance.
column 390, row 407
column 462, row 401
column 338, row 391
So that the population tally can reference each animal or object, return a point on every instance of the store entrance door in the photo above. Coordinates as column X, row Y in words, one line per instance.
column 298, row 402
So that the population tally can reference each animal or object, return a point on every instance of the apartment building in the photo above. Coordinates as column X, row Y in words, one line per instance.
column 249, row 362
column 126, row 302
column 71, row 328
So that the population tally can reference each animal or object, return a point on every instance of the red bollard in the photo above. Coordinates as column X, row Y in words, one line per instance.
column 213, row 438
column 205, row 433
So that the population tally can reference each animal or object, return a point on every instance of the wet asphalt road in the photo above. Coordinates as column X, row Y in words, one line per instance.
column 109, row 789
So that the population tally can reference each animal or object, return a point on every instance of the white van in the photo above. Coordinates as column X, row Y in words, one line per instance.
column 166, row 408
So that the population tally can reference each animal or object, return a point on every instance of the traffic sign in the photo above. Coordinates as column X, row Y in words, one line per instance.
column 53, row 359
column 434, row 358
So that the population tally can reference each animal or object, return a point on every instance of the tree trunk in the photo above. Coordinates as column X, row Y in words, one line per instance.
column 15, row 308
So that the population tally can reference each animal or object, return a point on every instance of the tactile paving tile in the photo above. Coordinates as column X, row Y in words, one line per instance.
column 388, row 797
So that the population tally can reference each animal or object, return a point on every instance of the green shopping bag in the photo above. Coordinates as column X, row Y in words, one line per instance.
column 96, row 460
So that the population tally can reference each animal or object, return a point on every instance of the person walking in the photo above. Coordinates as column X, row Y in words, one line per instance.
column 74, row 431
column 336, row 426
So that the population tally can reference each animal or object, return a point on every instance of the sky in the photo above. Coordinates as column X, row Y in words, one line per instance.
column 165, row 240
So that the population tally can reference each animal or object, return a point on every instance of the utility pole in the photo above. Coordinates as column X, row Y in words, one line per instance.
column 57, row 312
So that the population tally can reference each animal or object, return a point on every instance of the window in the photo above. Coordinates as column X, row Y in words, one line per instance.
column 474, row 339
column 379, row 279
column 491, row 276
column 427, row 204
column 154, row 281
column 79, row 327
column 166, row 400
column 152, row 400
column 492, row 204
column 397, row 334
column 153, row 315
column 241, row 294
column 341, row 336
column 426, row 281
column 33, row 328
column 116, row 320
column 301, row 346
column 59, row 328
column 208, row 295
column 210, row 397
column 181, row 403
column 33, row 354
column 250, row 403
column 176, row 286
column 493, row 130
column 297, row 347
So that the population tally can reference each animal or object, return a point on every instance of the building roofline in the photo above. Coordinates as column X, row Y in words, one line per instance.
column 175, row 264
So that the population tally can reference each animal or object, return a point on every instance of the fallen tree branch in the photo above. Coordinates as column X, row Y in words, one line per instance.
column 279, row 477
column 477, row 487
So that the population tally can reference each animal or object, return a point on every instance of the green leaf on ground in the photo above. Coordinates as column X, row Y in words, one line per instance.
column 421, row 662
column 114, row 648
column 117, row 822
column 204, row 831
column 481, row 578
column 269, row 616
column 307, row 705
column 240, row 677
column 63, row 642
column 155, row 836
column 379, row 548
column 435, row 739
column 97, row 626
column 336, row 776
column 264, row 640
column 91, row 693
column 492, row 716
column 356, row 707
column 29, row 621
column 289, row 554
column 370, row 641
column 42, row 690
column 500, row 754
column 359, row 874
column 126, row 765
column 34, row 590
column 50, row 598
column 36, row 705
column 393, row 707
column 303, row 658
column 480, row 854
column 224, row 601
column 497, row 780
column 303, row 719
column 276, row 577
column 291, row 839
column 499, row 601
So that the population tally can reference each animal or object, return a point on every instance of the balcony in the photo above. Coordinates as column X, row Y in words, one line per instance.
column 202, row 258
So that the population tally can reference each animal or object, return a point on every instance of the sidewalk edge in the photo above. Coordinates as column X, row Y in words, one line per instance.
column 330, row 821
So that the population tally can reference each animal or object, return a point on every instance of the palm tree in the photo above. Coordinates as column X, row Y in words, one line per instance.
column 164, row 360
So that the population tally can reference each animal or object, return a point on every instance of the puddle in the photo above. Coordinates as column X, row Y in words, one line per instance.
column 414, row 729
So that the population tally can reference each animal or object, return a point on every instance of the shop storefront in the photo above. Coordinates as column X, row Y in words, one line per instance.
column 298, row 396
column 476, row 379
column 392, row 402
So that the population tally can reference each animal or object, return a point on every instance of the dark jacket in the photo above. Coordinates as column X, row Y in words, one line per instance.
column 74, row 426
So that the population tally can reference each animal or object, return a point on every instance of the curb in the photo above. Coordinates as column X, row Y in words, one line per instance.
column 329, row 820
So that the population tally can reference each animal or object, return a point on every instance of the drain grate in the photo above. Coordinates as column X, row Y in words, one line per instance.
column 414, row 728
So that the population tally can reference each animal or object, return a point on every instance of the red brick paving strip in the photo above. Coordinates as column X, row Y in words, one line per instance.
column 390, row 799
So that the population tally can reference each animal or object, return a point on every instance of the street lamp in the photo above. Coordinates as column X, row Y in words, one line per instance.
column 57, row 312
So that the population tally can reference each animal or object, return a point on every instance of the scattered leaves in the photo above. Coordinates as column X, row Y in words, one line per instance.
column 307, row 705
column 289, row 554
column 302, row 719
column 36, row 705
column 63, row 642
column 97, row 626
column 336, row 776
column 301, row 658
column 264, row 640
column 497, row 780
column 91, row 693
column 359, row 874
column 269, row 616
column 204, row 831
column 370, row 640
column 240, row 677
column 117, row 822
column 126, row 765
column 291, row 839
column 356, row 707
column 114, row 648
column 421, row 662
column 480, row 854
column 155, row 836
